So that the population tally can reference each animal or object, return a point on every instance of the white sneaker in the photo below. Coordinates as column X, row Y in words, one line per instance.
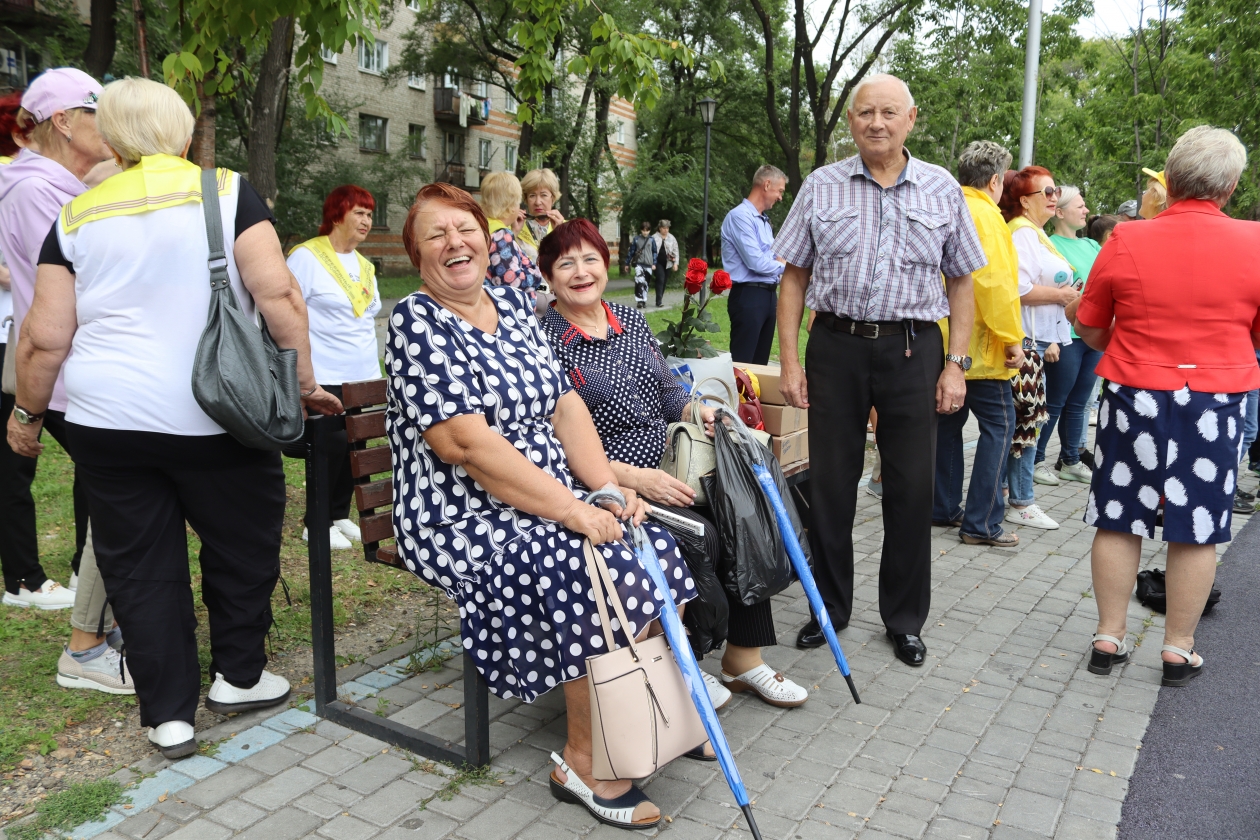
column 770, row 686
column 226, row 699
column 348, row 530
column 336, row 540
column 1042, row 475
column 73, row 585
column 107, row 672
column 1032, row 516
column 50, row 596
column 1077, row 472
column 718, row 693
column 175, row 739
column 1093, row 418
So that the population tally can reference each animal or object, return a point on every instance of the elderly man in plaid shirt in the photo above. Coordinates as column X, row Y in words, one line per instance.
column 866, row 243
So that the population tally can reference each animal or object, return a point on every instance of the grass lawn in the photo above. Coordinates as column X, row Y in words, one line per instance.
column 395, row 287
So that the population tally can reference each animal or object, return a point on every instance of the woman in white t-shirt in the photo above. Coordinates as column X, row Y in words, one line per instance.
column 339, row 286
column 1029, row 201
column 123, row 291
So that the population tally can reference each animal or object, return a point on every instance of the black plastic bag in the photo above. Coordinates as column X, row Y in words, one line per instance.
column 1152, row 592
column 754, row 565
column 707, row 617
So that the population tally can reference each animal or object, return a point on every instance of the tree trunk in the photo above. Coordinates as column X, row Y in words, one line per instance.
column 525, row 150
column 267, row 117
column 142, row 37
column 101, row 38
column 603, row 99
column 202, row 150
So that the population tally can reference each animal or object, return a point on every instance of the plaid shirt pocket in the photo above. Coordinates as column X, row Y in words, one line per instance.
column 836, row 230
column 926, row 232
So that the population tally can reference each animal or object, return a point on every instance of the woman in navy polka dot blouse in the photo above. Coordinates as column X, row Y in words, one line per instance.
column 615, row 363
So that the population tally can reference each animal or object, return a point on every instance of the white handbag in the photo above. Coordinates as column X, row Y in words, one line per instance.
column 689, row 453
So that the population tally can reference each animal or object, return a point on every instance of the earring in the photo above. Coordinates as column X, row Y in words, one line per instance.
column 69, row 138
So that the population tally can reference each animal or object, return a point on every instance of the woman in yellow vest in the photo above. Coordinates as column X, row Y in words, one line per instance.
column 510, row 265
column 339, row 286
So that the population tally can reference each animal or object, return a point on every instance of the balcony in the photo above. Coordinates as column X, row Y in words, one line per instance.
column 448, row 103
column 453, row 174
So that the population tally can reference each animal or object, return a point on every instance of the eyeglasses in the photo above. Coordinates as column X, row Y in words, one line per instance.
column 1049, row 192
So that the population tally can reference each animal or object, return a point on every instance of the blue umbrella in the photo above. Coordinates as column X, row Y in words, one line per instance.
column 788, row 533
column 677, row 638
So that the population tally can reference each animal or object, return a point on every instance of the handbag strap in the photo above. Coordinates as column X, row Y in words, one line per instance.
column 598, row 570
column 698, row 398
column 217, row 261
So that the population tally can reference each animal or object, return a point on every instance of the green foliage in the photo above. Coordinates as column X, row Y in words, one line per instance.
column 80, row 803
column 58, row 43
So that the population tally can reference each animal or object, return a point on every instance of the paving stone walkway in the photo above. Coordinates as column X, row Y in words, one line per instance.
column 1002, row 735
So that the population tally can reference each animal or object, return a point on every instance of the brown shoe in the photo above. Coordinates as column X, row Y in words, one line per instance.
column 1007, row 539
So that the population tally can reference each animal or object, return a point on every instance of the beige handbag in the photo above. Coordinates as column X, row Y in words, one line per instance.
column 8, row 378
column 642, row 715
column 689, row 452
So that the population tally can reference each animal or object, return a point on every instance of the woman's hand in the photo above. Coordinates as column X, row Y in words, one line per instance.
column 707, row 417
column 321, row 402
column 555, row 216
column 1068, row 294
column 1069, row 311
column 1052, row 353
column 636, row 510
column 661, row 487
column 517, row 222
column 594, row 522
column 24, row 439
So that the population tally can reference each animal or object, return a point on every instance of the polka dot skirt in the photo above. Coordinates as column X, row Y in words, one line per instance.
column 1181, row 447
column 527, row 611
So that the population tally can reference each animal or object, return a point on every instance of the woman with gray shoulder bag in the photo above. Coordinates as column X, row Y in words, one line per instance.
column 131, row 281
column 614, row 362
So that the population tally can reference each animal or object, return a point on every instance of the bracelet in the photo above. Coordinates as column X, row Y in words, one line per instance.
column 305, row 394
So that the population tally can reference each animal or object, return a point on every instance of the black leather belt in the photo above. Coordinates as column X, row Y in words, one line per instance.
column 770, row 286
column 870, row 329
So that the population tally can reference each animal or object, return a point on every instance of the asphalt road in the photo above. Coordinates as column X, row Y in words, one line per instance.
column 1198, row 775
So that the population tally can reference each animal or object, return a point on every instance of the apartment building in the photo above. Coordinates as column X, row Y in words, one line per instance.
column 460, row 129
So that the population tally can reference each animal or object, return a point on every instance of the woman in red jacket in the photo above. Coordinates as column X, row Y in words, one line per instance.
column 1178, row 322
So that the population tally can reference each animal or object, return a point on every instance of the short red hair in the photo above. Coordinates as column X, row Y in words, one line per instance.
column 9, row 106
column 340, row 202
column 1016, row 185
column 451, row 196
column 567, row 237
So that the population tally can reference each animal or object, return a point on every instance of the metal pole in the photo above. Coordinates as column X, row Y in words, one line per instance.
column 704, row 223
column 1028, row 124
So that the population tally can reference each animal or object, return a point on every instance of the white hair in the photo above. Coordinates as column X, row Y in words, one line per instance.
column 768, row 173
column 1067, row 193
column 877, row 78
column 1205, row 162
column 140, row 117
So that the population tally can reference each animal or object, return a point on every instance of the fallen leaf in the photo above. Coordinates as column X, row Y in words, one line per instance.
column 965, row 690
column 853, row 813
column 1113, row 772
column 1095, row 770
column 163, row 797
column 96, row 731
column 947, row 708
column 1044, row 665
column 371, row 583
column 128, row 807
column 668, row 819
column 106, row 752
column 997, row 822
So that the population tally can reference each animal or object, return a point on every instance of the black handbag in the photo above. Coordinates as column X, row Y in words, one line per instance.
column 240, row 378
column 1152, row 592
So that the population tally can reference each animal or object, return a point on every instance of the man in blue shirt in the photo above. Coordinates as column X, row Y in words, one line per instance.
column 748, row 255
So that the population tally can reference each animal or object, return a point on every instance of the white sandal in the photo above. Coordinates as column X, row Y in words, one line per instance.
column 1100, row 661
column 1180, row 673
column 618, row 812
column 769, row 685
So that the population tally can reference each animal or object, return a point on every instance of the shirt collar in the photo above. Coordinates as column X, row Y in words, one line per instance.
column 573, row 331
column 753, row 209
column 1193, row 205
column 907, row 172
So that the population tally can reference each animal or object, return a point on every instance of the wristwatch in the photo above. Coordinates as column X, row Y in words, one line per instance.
column 963, row 362
column 25, row 417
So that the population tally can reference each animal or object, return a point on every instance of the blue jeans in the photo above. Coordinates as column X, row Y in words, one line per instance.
column 994, row 406
column 1249, row 422
column 1090, row 408
column 1019, row 478
column 1068, row 384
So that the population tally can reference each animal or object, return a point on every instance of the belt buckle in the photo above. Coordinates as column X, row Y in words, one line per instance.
column 867, row 330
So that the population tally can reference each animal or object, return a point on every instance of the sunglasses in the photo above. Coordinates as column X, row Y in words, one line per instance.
column 1049, row 192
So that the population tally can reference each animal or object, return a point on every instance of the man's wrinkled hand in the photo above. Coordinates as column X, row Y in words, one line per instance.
column 793, row 386
column 951, row 389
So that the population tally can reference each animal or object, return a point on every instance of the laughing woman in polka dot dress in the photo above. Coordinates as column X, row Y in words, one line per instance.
column 1178, row 322
column 490, row 444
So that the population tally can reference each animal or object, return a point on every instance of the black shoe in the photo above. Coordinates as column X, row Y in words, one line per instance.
column 1244, row 495
column 1087, row 458
column 811, row 635
column 1058, row 465
column 909, row 647
column 1243, row 507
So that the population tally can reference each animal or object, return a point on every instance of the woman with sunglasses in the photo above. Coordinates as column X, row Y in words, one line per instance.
column 1029, row 201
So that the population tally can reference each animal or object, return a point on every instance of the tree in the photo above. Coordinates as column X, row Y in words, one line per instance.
column 101, row 38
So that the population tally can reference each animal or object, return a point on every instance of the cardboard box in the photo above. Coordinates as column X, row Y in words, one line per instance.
column 768, row 379
column 790, row 448
column 784, row 419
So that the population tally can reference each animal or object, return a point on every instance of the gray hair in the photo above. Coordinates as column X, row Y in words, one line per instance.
column 980, row 161
column 1067, row 193
column 663, row 223
column 875, row 79
column 768, row 173
column 1206, row 163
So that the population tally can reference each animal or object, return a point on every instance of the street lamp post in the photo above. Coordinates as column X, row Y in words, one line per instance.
column 708, row 107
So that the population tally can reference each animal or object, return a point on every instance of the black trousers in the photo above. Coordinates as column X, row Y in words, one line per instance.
column 142, row 488
column 748, row 626
column 340, row 479
column 847, row 375
column 753, row 309
column 662, row 275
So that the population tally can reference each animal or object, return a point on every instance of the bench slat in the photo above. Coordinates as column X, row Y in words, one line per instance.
column 376, row 527
column 388, row 555
column 361, row 427
column 366, row 462
column 363, row 394
column 372, row 495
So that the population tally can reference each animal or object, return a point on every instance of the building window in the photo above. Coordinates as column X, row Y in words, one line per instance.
column 484, row 153
column 481, row 88
column 328, row 55
column 509, row 102
column 415, row 81
column 373, row 133
column 621, row 133
column 374, row 57
column 450, row 79
column 452, row 147
column 414, row 5
column 417, row 141
column 509, row 157
column 380, row 216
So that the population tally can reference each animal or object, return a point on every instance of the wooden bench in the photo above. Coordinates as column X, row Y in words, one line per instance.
column 364, row 423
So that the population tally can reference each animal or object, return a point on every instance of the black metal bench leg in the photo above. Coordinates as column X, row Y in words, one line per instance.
column 476, row 715
column 320, row 555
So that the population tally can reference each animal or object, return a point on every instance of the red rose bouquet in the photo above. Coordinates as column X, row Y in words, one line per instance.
column 682, row 338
